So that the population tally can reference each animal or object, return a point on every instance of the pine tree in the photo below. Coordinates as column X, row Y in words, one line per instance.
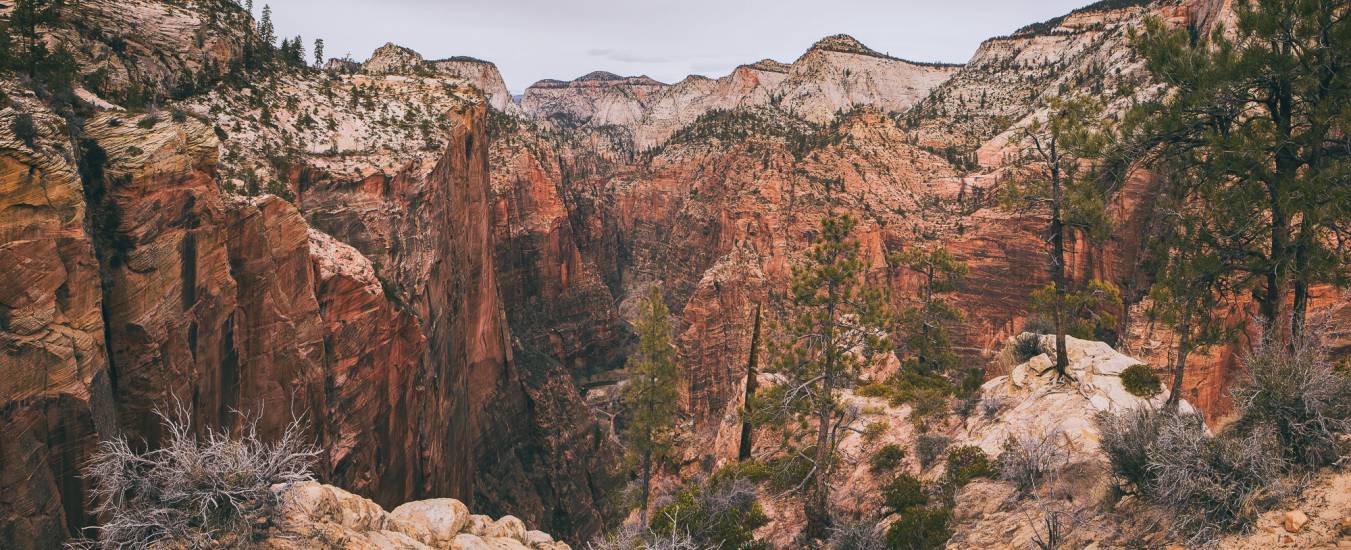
column 319, row 53
column 927, row 324
column 1258, row 118
column 266, row 34
column 1190, row 279
column 649, row 400
column 838, row 325
column 1056, row 178
column 297, row 54
column 25, row 21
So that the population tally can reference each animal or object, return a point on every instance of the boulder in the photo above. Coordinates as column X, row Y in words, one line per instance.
column 434, row 522
column 1294, row 520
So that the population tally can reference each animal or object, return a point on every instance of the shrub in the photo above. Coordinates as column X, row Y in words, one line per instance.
column 920, row 529
column 966, row 463
column 24, row 129
column 1298, row 391
column 875, row 430
column 903, row 492
column 1141, row 381
column 991, row 406
column 1125, row 439
column 1030, row 460
column 886, row 459
column 632, row 538
column 862, row 534
column 1026, row 346
column 926, row 404
column 721, row 512
column 148, row 121
column 208, row 492
column 928, row 447
column 1209, row 484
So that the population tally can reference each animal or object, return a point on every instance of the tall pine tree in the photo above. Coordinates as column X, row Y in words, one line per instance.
column 650, row 398
column 1056, row 179
column 838, row 324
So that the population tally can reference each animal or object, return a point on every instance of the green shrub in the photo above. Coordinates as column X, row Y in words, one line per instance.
column 24, row 129
column 920, row 529
column 928, row 447
column 1026, row 346
column 722, row 512
column 966, row 463
column 902, row 493
column 148, row 121
column 1141, row 381
column 875, row 430
column 886, row 459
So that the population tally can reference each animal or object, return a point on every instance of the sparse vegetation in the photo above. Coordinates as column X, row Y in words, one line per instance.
column 1213, row 484
column 886, row 459
column 1297, row 393
column 1026, row 346
column 721, row 512
column 203, row 492
column 1141, row 381
column 928, row 447
column 1029, row 460
column 1125, row 439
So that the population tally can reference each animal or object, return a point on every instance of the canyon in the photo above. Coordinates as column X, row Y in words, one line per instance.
column 438, row 280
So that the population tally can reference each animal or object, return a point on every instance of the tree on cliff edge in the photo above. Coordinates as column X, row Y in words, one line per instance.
column 1056, row 179
column 650, row 398
column 838, row 324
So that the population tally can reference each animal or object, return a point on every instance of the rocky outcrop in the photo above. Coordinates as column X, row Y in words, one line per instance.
column 392, row 59
column 315, row 516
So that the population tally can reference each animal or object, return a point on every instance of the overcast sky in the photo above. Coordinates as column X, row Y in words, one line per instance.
column 531, row 40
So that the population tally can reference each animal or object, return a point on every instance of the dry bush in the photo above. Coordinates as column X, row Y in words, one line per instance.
column 929, row 447
column 1026, row 346
column 630, row 537
column 202, row 492
column 1029, row 460
column 1296, row 390
column 861, row 534
column 1212, row 484
column 1125, row 439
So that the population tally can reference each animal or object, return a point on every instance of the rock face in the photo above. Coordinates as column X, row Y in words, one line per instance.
column 315, row 516
column 56, row 395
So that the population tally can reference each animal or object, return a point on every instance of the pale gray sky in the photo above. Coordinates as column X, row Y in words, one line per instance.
column 534, row 39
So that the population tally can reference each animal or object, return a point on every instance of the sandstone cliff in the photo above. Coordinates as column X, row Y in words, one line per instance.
column 277, row 250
